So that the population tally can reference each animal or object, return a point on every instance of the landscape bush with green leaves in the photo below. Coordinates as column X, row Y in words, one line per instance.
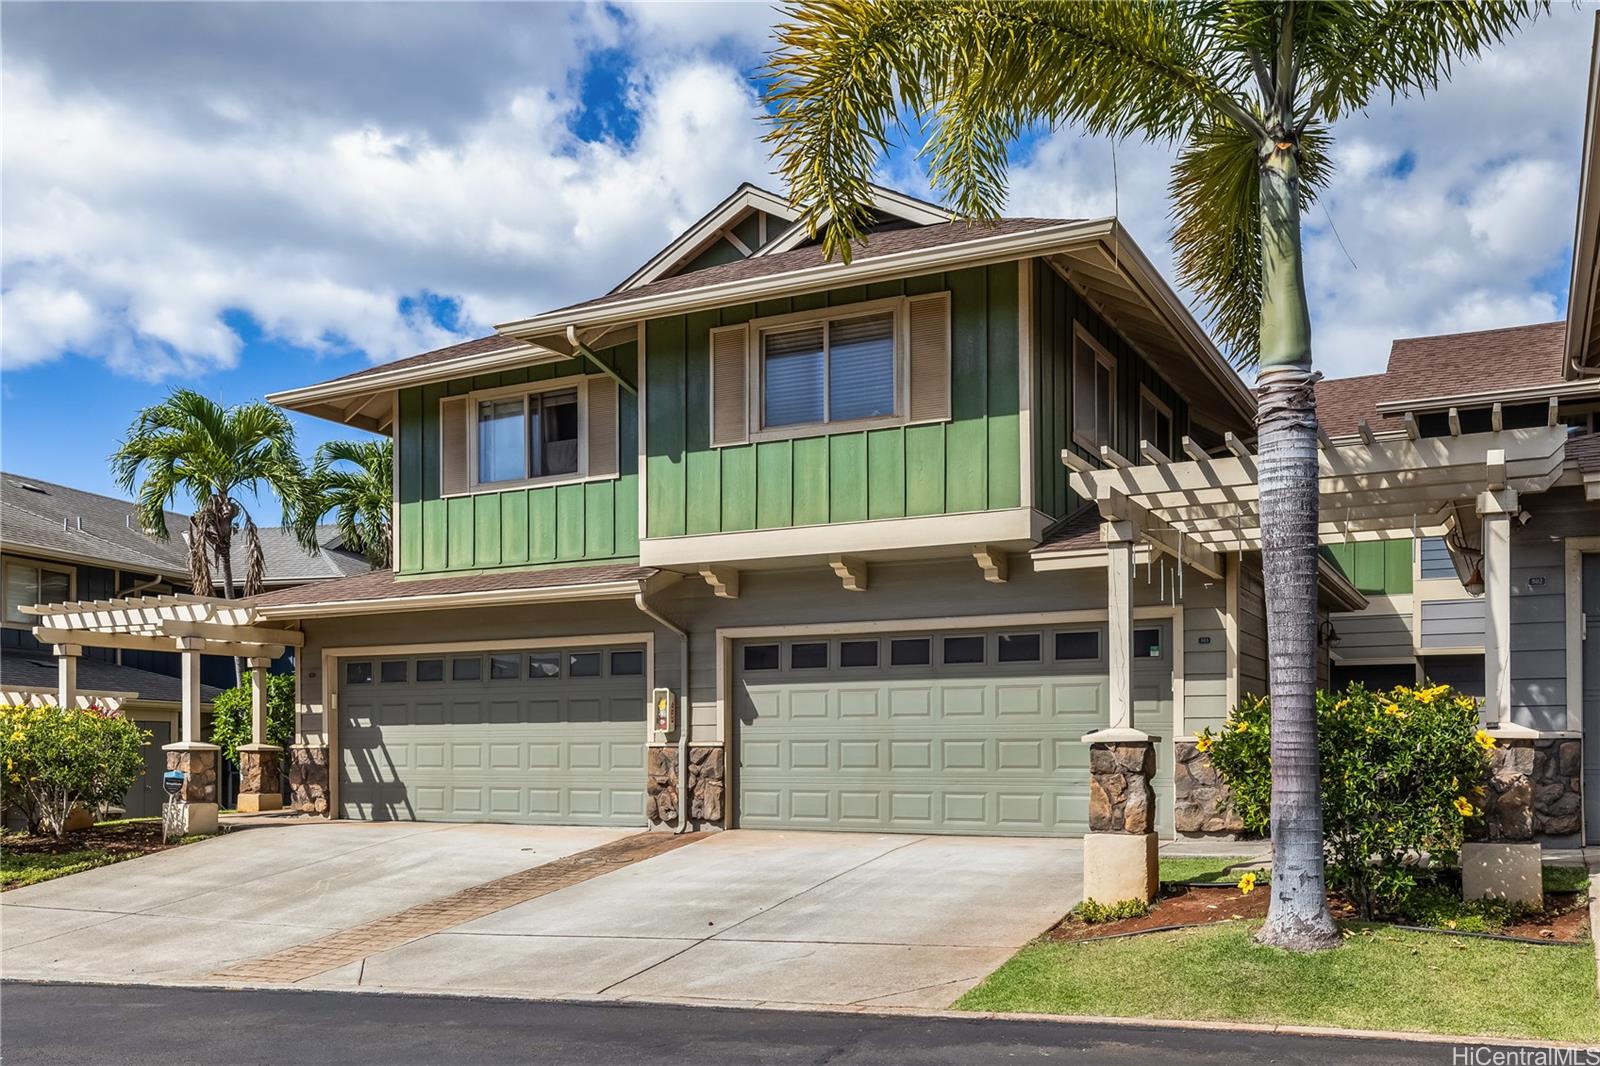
column 57, row 758
column 230, row 715
column 1091, row 912
column 1402, row 778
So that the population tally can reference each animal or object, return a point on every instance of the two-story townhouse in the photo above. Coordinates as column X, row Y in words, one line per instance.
column 821, row 506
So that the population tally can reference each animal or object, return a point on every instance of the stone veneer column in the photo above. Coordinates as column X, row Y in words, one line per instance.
column 260, row 786
column 707, row 778
column 308, row 778
column 1119, row 854
column 1506, row 863
column 197, row 801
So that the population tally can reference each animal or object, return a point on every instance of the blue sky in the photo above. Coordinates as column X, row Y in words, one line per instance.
column 243, row 198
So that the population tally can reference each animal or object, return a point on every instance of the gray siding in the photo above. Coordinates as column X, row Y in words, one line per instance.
column 1205, row 657
column 1538, row 605
column 1434, row 559
column 1453, row 623
column 1252, row 628
column 1382, row 632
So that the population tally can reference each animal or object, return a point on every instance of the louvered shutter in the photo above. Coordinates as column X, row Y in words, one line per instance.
column 602, row 429
column 929, row 339
column 455, row 442
column 730, row 385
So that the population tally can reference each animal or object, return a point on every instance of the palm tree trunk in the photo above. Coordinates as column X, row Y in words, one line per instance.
column 225, row 554
column 1286, row 423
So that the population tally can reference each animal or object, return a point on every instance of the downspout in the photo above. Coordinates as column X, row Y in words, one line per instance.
column 622, row 383
column 683, row 705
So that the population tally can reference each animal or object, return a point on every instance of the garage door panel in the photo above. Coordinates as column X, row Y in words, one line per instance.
column 992, row 747
column 538, row 748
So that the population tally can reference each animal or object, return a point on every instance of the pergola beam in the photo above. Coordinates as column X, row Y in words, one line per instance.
column 95, row 638
column 1116, row 507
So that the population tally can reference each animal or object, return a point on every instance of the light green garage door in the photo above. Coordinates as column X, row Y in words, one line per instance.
column 545, row 736
column 951, row 732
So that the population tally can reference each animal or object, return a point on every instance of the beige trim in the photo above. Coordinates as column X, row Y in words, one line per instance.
column 440, row 601
column 577, row 383
column 331, row 680
column 1085, row 558
column 704, row 233
column 1103, row 358
column 514, row 354
column 640, row 375
column 1537, row 393
column 394, row 489
column 1025, row 376
column 1574, row 550
column 1015, row 527
column 1230, row 630
column 883, row 199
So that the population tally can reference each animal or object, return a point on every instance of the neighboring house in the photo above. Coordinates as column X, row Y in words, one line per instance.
column 60, row 544
column 288, row 564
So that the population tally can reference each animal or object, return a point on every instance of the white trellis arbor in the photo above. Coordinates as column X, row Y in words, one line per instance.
column 192, row 626
column 1467, row 488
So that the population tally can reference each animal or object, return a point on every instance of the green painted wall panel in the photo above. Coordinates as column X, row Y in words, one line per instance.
column 847, row 477
column 702, row 464
column 1376, row 567
column 810, row 481
column 967, row 437
column 886, row 473
column 925, row 470
column 593, row 521
column 666, row 444
column 739, row 487
column 775, row 484
column 1003, row 381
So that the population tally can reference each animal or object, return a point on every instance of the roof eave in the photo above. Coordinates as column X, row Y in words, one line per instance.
column 1513, row 394
column 1582, row 350
column 599, row 590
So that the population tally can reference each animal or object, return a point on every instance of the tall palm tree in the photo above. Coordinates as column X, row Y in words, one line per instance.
column 190, row 443
column 1246, row 91
column 355, row 480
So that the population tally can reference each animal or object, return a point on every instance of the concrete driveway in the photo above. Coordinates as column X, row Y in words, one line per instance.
column 742, row 917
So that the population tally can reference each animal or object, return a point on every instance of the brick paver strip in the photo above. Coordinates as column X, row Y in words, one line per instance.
column 346, row 946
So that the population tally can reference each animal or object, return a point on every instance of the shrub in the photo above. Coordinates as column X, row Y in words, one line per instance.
column 230, row 715
column 1091, row 913
column 1402, row 774
column 56, row 758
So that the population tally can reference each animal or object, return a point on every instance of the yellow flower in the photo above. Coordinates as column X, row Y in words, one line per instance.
column 1247, row 883
column 1202, row 744
column 1484, row 740
column 1465, row 806
column 1241, row 727
column 1341, row 705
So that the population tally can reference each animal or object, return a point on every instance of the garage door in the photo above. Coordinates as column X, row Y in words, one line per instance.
column 546, row 736
column 953, row 732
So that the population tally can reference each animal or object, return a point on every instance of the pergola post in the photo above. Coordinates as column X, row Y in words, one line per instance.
column 260, row 763
column 197, row 760
column 67, row 656
column 1119, row 853
column 1496, row 509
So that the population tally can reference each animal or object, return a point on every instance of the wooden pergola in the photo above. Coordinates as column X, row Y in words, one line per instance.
column 191, row 626
column 1198, row 508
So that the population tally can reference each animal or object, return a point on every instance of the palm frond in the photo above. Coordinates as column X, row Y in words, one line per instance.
column 255, row 568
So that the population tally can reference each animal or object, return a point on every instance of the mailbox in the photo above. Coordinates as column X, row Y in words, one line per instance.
column 172, row 780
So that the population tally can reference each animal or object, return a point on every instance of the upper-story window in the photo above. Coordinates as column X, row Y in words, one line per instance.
column 563, row 430
column 1094, row 392
column 30, row 583
column 1155, row 421
column 841, row 370
column 521, row 438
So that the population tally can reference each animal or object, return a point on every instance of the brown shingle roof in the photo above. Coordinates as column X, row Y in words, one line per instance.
column 1484, row 361
column 1077, row 531
column 1585, row 451
column 875, row 245
column 382, row 585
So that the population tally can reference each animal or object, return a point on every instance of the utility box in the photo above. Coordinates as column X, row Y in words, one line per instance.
column 664, row 704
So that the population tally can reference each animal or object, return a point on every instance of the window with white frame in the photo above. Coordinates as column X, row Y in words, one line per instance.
column 528, row 436
column 29, row 583
column 1155, row 421
column 839, row 369
column 1094, row 392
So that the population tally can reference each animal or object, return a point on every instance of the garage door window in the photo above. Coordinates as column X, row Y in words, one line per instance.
column 393, row 672
column 808, row 656
column 583, row 664
column 1019, row 648
column 1147, row 643
column 627, row 663
column 1082, row 646
column 858, row 653
column 910, row 652
column 358, row 673
column 761, row 657
column 960, row 650
column 430, row 670
column 505, row 667
column 543, row 664
column 466, row 669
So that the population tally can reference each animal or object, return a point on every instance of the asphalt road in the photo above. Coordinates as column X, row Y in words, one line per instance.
column 91, row 1025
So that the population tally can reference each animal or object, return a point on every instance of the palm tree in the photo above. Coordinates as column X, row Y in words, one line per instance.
column 360, row 493
column 1247, row 92
column 189, row 443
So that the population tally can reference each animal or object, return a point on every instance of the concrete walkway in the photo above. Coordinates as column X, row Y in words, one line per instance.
column 742, row 917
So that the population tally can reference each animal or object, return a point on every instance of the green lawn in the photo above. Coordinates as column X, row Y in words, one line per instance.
column 26, row 860
column 1209, row 868
column 1380, row 979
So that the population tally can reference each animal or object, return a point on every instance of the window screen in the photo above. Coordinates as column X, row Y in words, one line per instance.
column 861, row 368
column 792, row 377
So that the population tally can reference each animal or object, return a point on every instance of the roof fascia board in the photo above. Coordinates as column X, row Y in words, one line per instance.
column 711, row 225
column 606, row 590
column 1580, row 387
column 886, row 200
column 824, row 275
column 514, row 354
column 18, row 550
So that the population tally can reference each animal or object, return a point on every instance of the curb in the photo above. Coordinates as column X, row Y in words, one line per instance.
column 1253, row 1028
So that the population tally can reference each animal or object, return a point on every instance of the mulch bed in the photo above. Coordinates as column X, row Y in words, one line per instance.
column 1564, row 920
column 133, row 838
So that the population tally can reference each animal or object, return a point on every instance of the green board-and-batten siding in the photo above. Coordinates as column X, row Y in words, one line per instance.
column 1056, row 306
column 1375, row 567
column 970, row 463
column 582, row 522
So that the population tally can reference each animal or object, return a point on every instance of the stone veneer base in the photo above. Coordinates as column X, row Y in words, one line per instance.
column 197, row 819
column 1119, row 866
column 707, row 775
